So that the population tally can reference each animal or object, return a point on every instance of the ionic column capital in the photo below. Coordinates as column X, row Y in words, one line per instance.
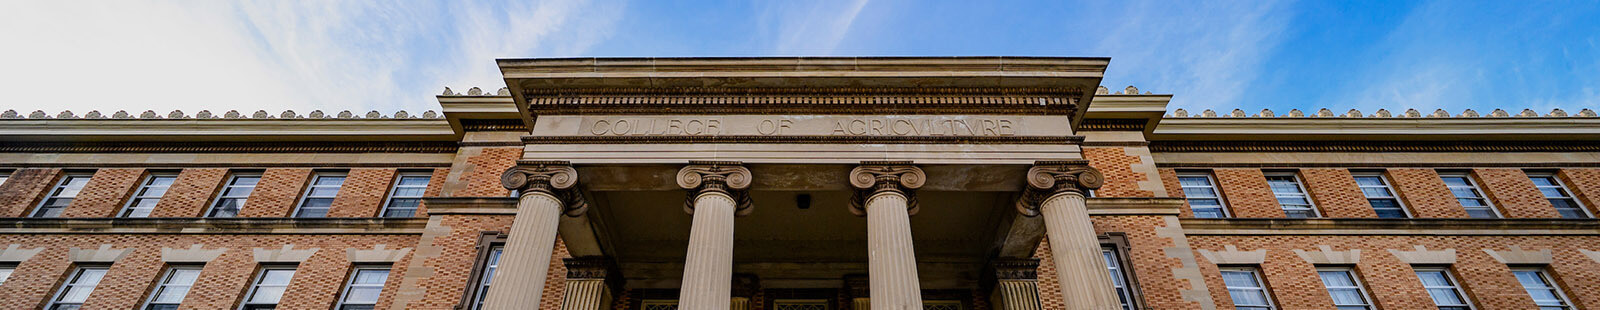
column 555, row 178
column 1050, row 178
column 875, row 177
column 726, row 177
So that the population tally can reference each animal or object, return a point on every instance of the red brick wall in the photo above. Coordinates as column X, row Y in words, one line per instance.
column 1117, row 165
column 1169, row 179
column 221, row 283
column 481, row 177
column 277, row 194
column 23, row 190
column 363, row 192
column 1585, row 185
column 435, row 188
column 1151, row 265
column 555, row 281
column 1515, row 194
column 191, row 193
column 446, row 273
column 1393, row 284
column 1247, row 193
column 1049, row 285
column 1425, row 193
column 105, row 193
column 1335, row 193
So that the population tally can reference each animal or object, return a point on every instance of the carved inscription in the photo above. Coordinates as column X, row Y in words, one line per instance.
column 912, row 125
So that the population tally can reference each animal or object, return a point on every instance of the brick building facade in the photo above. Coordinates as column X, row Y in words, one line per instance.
column 761, row 183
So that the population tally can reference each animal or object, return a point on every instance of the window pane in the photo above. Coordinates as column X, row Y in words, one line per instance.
column 277, row 277
column 414, row 180
column 267, row 294
column 1336, row 279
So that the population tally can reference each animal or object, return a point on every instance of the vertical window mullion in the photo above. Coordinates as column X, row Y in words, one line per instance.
column 1559, row 197
column 234, row 195
column 1118, row 278
column 1544, row 292
column 62, row 195
column 148, row 194
column 77, row 288
column 1291, row 195
column 1470, row 197
column 1246, row 288
column 1345, row 288
column 1200, row 190
column 1375, row 187
column 362, row 290
column 268, row 288
column 491, row 263
column 319, row 195
column 406, row 194
column 174, row 286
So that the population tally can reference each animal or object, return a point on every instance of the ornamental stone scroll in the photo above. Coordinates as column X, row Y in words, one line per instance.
column 873, row 177
column 554, row 178
column 1049, row 178
column 727, row 177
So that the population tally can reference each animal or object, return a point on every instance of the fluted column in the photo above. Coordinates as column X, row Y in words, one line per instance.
column 591, row 283
column 1016, row 285
column 547, row 192
column 888, row 188
column 1080, row 266
column 708, row 269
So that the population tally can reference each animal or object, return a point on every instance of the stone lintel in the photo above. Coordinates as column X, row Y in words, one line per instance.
column 1231, row 255
column 1327, row 256
column 16, row 254
column 1517, row 256
column 1423, row 256
column 104, row 254
column 196, row 253
column 380, row 253
column 286, row 254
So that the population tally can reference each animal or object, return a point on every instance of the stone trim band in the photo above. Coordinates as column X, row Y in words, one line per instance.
column 808, row 139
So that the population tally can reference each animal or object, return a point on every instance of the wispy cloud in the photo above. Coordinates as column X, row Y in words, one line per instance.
column 274, row 55
column 813, row 27
column 1207, row 54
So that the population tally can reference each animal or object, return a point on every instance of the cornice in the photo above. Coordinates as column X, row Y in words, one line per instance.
column 1377, row 129
column 1400, row 227
column 241, row 130
column 230, row 147
column 1372, row 146
column 853, row 100
column 803, row 139
column 217, row 226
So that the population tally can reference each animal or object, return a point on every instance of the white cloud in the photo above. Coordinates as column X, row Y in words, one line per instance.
column 1206, row 54
column 814, row 28
column 272, row 55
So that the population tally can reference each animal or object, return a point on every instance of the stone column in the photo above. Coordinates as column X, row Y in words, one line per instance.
column 1016, row 284
column 1056, row 192
column 548, row 191
column 888, row 189
column 716, row 193
column 744, row 289
column 591, row 283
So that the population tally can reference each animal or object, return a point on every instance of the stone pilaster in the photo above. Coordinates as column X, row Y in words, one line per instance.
column 591, row 283
column 1016, row 284
column 549, row 189
column 889, row 191
column 1055, row 191
column 716, row 193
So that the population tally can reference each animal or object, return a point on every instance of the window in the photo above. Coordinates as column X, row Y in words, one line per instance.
column 1558, row 196
column 1442, row 287
column 233, row 196
column 4, row 176
column 62, row 195
column 1467, row 193
column 1345, row 289
column 490, row 263
column 5, row 272
column 1544, row 292
column 1286, row 187
column 77, row 288
column 361, row 292
column 1201, row 192
column 268, row 288
column 319, row 196
column 406, row 195
column 1124, row 295
column 149, row 194
column 1244, row 285
column 1380, row 196
column 174, row 286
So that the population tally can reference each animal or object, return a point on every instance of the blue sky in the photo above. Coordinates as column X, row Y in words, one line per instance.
column 348, row 55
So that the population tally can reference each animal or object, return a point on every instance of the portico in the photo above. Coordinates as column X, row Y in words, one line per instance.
column 925, row 175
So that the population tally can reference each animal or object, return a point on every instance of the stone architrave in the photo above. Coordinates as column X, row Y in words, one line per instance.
column 716, row 195
column 886, row 195
column 1055, row 191
column 549, row 190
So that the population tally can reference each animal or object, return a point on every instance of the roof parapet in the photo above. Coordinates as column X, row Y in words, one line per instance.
column 231, row 114
column 1381, row 113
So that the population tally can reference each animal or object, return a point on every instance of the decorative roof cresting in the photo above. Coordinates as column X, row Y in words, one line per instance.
column 232, row 114
column 1382, row 113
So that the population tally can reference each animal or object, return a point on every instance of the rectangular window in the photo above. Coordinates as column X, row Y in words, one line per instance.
column 268, row 288
column 361, row 292
column 1118, row 279
column 1201, row 192
column 1442, row 287
column 1291, row 195
column 490, row 263
column 62, row 195
column 319, row 196
column 5, row 272
column 1467, row 193
column 4, row 176
column 1559, row 196
column 1245, row 286
column 148, row 195
column 1544, row 292
column 173, row 287
column 77, row 288
column 1380, row 196
column 1345, row 288
column 406, row 194
column 234, row 194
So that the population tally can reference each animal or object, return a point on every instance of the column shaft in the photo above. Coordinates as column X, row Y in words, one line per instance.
column 586, row 294
column 1080, row 266
column 526, row 260
column 892, row 262
column 708, row 271
column 1016, row 295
